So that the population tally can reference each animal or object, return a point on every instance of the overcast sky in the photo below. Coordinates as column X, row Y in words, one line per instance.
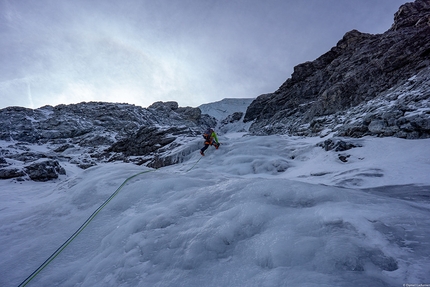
column 190, row 51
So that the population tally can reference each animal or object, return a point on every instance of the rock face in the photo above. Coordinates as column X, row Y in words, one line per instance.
column 90, row 123
column 87, row 133
column 321, row 94
column 149, row 139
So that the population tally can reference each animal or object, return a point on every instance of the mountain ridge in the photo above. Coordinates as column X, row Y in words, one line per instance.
column 360, row 68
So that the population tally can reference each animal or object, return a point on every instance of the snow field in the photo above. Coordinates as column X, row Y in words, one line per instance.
column 248, row 214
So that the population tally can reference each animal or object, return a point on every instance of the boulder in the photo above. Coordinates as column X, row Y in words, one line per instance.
column 162, row 105
column 44, row 170
column 336, row 145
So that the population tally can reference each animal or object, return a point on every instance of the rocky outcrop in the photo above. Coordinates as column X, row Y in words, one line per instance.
column 80, row 122
column 93, row 123
column 149, row 139
column 360, row 68
column 171, row 113
column 337, row 145
column 8, row 173
column 403, row 112
column 412, row 15
column 87, row 133
column 234, row 117
column 44, row 170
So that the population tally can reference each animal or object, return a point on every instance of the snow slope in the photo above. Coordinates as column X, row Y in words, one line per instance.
column 222, row 109
column 260, row 211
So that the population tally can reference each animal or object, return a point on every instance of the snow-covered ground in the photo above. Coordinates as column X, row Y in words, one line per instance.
column 221, row 109
column 259, row 211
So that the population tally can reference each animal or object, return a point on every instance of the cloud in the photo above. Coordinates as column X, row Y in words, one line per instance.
column 141, row 51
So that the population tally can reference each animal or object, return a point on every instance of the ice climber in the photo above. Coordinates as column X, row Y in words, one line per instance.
column 209, row 136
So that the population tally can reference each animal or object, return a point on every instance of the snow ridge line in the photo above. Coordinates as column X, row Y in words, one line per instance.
column 84, row 225
column 77, row 232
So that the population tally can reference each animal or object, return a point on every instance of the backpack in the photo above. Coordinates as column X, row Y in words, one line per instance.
column 207, row 136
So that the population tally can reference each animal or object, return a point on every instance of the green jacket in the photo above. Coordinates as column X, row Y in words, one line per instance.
column 213, row 135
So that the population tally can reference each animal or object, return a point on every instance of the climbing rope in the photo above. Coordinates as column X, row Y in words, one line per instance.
column 80, row 229
column 194, row 164
column 85, row 224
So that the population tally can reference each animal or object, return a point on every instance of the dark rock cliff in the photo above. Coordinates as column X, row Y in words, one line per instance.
column 360, row 68
column 85, row 134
